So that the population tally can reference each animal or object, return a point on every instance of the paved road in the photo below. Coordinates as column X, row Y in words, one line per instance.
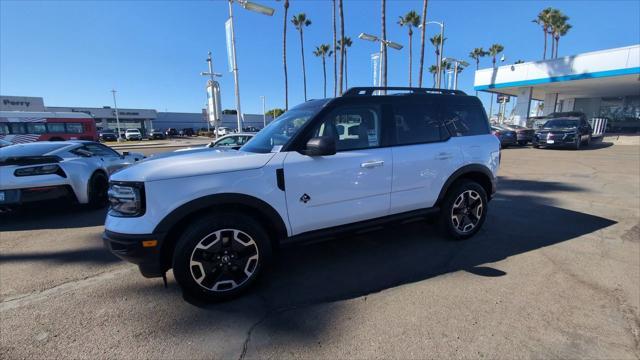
column 554, row 273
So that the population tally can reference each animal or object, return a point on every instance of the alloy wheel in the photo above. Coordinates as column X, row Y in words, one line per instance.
column 466, row 211
column 224, row 260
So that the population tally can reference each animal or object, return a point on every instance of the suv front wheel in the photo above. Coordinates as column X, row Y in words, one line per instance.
column 463, row 210
column 220, row 256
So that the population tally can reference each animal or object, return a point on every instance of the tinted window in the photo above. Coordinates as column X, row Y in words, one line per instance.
column 36, row 128
column 56, row 128
column 74, row 128
column 100, row 150
column 4, row 129
column 361, row 124
column 417, row 123
column 233, row 140
column 464, row 119
column 17, row 128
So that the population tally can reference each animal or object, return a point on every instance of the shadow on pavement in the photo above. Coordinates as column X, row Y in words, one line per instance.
column 95, row 255
column 347, row 268
column 51, row 216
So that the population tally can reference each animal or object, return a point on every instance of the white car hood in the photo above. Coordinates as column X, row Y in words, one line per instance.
column 187, row 164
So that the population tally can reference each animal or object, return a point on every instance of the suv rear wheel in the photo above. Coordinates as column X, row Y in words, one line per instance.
column 463, row 210
column 220, row 256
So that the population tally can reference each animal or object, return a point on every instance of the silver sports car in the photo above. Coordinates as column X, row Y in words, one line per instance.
column 57, row 169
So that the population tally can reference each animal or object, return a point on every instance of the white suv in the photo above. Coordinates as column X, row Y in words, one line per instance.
column 215, row 217
column 133, row 134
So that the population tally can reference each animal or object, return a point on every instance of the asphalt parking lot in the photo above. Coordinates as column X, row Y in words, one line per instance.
column 554, row 273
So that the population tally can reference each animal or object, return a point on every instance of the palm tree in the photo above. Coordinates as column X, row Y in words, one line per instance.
column 422, row 34
column 335, row 49
column 347, row 44
column 433, row 69
column 323, row 51
column 559, row 27
column 410, row 20
column 544, row 19
column 476, row 54
column 494, row 50
column 284, row 56
column 300, row 21
column 342, row 48
column 383, row 68
column 435, row 41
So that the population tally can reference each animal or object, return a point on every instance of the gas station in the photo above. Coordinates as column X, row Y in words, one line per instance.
column 601, row 84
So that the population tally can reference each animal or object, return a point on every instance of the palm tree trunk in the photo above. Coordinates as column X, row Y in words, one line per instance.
column 335, row 53
column 553, row 47
column 284, row 56
column 383, row 68
column 324, row 74
column 304, row 69
column 341, row 47
column 557, row 45
column 422, row 35
column 434, row 80
column 346, row 72
column 544, row 53
column 410, row 55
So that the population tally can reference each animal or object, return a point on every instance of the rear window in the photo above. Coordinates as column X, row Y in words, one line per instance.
column 32, row 149
column 464, row 118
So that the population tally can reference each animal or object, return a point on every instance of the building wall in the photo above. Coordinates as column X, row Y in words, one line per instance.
column 21, row 103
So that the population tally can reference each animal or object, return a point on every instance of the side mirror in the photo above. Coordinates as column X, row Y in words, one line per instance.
column 321, row 146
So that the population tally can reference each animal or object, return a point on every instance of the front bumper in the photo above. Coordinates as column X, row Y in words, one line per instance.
column 555, row 140
column 12, row 197
column 135, row 248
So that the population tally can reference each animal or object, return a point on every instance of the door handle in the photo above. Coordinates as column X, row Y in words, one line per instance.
column 371, row 164
column 444, row 156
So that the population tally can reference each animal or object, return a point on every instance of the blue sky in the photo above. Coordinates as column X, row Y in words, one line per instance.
column 73, row 53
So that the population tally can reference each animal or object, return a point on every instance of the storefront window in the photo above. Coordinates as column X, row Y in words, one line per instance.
column 623, row 113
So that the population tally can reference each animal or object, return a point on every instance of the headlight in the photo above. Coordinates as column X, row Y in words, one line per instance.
column 40, row 170
column 126, row 199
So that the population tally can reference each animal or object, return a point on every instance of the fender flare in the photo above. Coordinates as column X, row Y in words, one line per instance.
column 466, row 170
column 215, row 200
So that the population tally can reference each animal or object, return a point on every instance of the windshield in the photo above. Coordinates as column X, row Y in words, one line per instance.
column 279, row 131
column 33, row 149
column 561, row 123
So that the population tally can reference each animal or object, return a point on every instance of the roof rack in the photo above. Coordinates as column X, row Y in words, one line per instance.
column 368, row 91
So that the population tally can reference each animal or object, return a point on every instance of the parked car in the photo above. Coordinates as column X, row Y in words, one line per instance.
column 571, row 132
column 157, row 135
column 47, row 170
column 233, row 141
column 188, row 132
column 216, row 216
column 107, row 135
column 524, row 135
column 507, row 137
column 171, row 132
column 133, row 134
column 222, row 131
column 250, row 129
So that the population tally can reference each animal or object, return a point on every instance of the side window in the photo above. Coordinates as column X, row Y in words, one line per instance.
column 100, row 150
column 4, row 129
column 354, row 127
column 417, row 123
column 464, row 119
column 228, row 141
column 56, row 128
column 17, row 128
column 36, row 128
column 74, row 128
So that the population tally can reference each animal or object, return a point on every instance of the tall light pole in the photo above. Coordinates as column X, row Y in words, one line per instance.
column 248, row 5
column 440, row 55
column 264, row 114
column 212, row 111
column 389, row 43
column 115, row 105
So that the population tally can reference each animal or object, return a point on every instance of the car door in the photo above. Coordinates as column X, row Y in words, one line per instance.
column 349, row 186
column 424, row 155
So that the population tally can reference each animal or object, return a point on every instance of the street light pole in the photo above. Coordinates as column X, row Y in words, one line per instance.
column 441, row 54
column 115, row 105
column 235, row 68
column 264, row 114
column 214, row 105
column 389, row 43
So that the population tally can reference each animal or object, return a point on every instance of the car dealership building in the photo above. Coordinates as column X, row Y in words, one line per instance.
column 602, row 83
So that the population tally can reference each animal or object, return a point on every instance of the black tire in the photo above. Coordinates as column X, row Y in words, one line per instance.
column 522, row 142
column 588, row 142
column 97, row 187
column 226, row 258
column 450, row 205
column 576, row 145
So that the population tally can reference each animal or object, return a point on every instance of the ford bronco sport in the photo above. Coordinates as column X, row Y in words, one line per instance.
column 215, row 217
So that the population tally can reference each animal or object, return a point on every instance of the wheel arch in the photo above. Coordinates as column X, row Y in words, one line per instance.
column 174, row 224
column 476, row 172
